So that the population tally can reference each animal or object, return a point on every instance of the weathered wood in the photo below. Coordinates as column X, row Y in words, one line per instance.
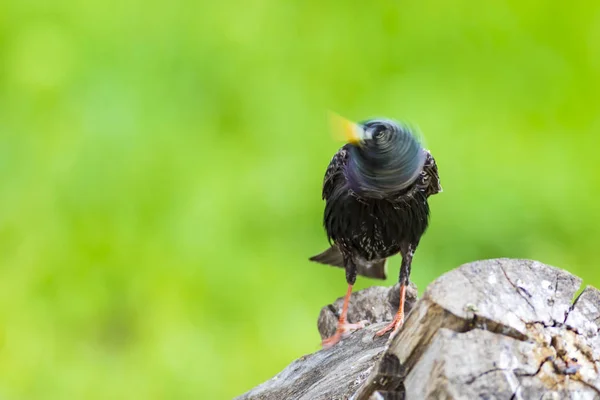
column 375, row 304
column 495, row 329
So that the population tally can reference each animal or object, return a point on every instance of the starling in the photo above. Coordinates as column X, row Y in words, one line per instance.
column 375, row 189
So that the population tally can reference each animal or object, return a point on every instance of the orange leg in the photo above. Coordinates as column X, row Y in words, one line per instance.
column 398, row 319
column 343, row 328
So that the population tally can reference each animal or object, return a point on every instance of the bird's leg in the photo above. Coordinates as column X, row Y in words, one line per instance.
column 344, row 328
column 398, row 320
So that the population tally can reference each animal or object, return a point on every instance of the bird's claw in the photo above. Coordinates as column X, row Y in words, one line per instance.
column 394, row 326
column 342, row 331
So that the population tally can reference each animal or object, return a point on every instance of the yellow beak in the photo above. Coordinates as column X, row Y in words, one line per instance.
column 344, row 129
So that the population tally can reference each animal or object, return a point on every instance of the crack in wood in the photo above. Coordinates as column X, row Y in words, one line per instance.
column 474, row 378
column 518, row 289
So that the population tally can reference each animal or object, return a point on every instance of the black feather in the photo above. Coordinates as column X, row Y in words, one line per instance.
column 376, row 201
column 370, row 269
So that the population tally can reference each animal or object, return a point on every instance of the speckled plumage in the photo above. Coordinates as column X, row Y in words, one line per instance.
column 369, row 230
column 373, row 228
column 376, row 191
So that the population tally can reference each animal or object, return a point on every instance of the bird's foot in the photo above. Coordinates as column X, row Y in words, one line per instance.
column 343, row 330
column 394, row 326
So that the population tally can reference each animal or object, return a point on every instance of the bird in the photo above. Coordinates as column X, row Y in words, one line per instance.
column 376, row 190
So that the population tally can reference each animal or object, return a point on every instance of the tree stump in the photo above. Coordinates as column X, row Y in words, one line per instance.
column 495, row 329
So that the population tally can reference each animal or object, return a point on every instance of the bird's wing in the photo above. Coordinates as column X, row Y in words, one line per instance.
column 427, row 184
column 335, row 171
column 431, row 176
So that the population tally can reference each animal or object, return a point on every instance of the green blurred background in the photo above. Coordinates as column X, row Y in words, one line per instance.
column 161, row 166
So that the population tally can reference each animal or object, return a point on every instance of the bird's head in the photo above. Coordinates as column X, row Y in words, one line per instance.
column 384, row 156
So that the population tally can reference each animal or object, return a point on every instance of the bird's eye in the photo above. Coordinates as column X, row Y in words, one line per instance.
column 379, row 132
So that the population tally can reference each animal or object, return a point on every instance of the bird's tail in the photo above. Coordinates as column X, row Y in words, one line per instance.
column 371, row 269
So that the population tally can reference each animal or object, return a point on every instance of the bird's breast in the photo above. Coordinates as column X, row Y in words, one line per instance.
column 375, row 228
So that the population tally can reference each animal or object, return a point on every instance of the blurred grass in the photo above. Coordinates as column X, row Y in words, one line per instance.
column 161, row 166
